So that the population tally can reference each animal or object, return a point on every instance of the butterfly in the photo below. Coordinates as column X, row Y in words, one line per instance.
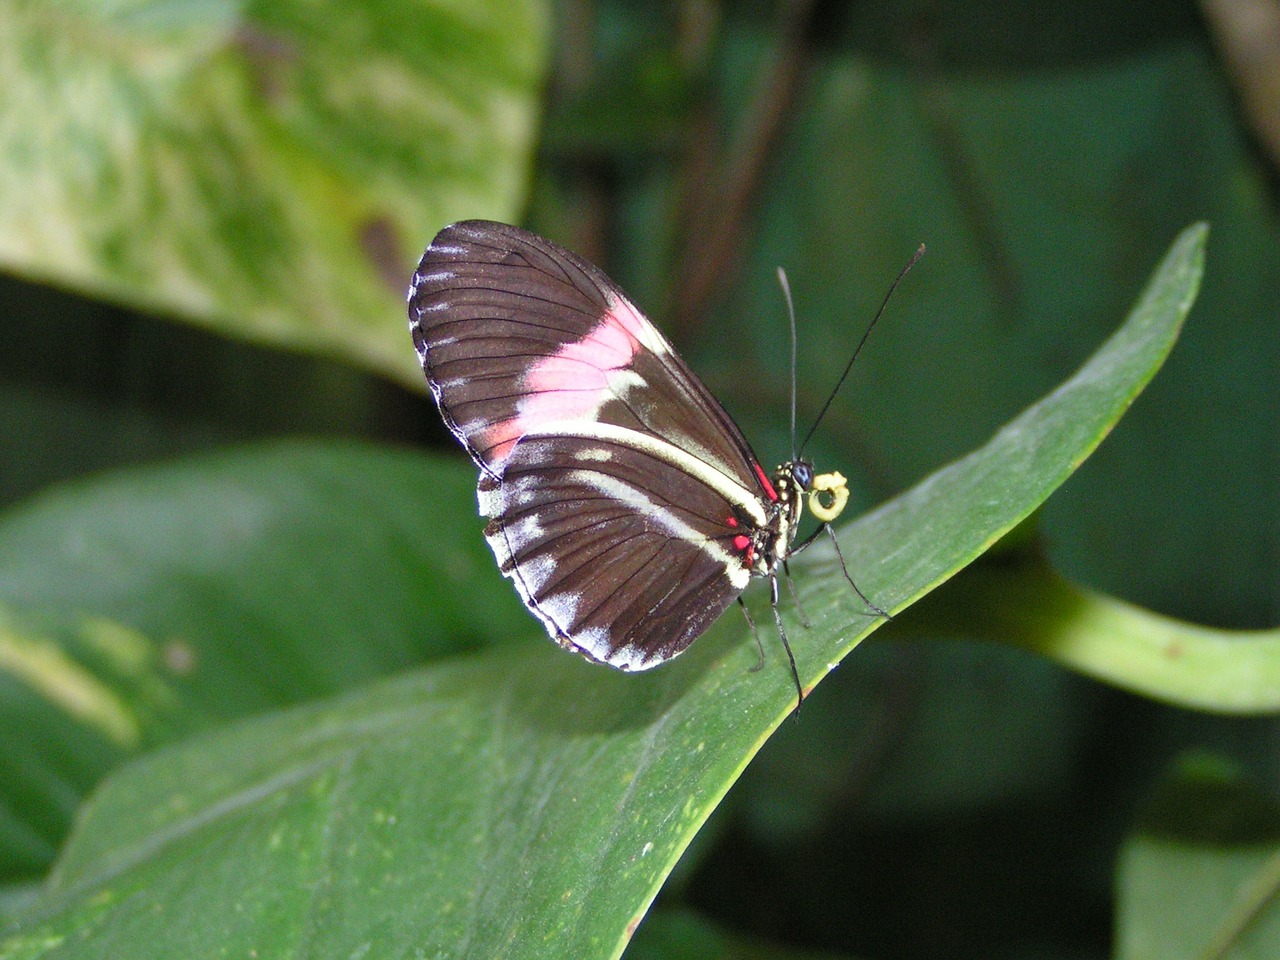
column 622, row 501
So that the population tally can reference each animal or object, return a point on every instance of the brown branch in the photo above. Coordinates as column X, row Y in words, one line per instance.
column 716, row 217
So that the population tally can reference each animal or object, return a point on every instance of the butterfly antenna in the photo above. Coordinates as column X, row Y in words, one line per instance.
column 857, row 350
column 791, row 316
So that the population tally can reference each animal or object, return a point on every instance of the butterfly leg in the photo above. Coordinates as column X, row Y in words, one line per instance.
column 754, row 632
column 781, row 633
column 786, row 645
column 830, row 531
column 845, row 570
column 808, row 541
column 795, row 595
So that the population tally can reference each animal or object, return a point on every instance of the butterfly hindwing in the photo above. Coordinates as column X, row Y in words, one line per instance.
column 623, row 556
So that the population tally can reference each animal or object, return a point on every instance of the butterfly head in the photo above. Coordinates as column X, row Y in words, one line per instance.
column 828, row 492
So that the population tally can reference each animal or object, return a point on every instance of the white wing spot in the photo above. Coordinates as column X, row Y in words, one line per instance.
column 623, row 380
column 490, row 501
column 524, row 531
column 502, row 553
column 722, row 483
column 436, row 276
column 595, row 641
column 635, row 323
column 522, row 490
column 561, row 608
column 630, row 658
column 535, row 571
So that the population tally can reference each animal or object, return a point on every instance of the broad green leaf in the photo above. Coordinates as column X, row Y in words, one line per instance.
column 152, row 602
column 1200, row 877
column 521, row 802
column 1026, row 604
column 269, row 170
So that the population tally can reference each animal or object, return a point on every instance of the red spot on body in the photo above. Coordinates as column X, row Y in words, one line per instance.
column 741, row 542
column 764, row 482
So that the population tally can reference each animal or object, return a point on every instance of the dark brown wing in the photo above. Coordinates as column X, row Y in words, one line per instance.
column 516, row 333
column 621, row 555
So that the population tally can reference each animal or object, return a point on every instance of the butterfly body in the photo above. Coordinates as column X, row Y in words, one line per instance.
column 622, row 501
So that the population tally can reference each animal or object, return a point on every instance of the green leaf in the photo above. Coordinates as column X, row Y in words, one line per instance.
column 151, row 603
column 1200, row 877
column 522, row 802
column 271, row 171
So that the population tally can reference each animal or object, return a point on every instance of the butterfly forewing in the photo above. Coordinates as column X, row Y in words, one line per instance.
column 624, row 503
column 515, row 332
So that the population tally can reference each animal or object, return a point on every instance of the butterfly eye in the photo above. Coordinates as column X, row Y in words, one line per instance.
column 802, row 473
column 828, row 497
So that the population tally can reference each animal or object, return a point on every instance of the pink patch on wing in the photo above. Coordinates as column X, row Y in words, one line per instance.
column 574, row 382
column 571, row 384
column 496, row 441
column 631, row 320
column 764, row 480
column 741, row 542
